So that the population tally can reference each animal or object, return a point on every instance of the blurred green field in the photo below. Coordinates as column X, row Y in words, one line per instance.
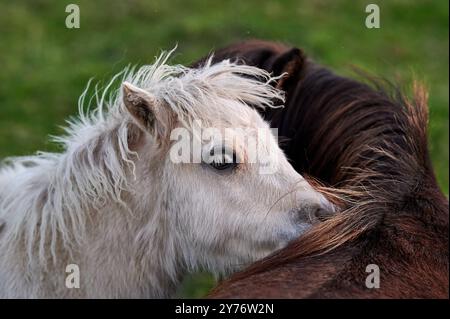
column 44, row 66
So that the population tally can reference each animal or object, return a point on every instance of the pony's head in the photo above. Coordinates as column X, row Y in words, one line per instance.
column 211, row 164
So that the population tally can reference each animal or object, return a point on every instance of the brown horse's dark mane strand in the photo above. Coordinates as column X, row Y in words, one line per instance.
column 367, row 143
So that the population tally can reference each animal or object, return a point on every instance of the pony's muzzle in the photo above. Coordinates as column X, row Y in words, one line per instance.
column 314, row 213
column 321, row 213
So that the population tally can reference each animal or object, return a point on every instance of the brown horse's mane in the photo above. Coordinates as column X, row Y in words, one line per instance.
column 367, row 143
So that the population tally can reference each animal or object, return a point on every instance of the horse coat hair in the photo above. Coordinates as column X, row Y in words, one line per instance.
column 371, row 147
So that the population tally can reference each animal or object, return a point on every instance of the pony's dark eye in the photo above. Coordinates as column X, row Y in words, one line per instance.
column 221, row 166
column 222, row 159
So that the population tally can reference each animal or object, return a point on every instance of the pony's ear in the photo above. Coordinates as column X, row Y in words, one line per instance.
column 141, row 105
column 149, row 114
column 291, row 63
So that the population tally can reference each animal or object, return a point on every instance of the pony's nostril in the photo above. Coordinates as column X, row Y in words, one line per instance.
column 315, row 213
column 321, row 214
column 321, row 211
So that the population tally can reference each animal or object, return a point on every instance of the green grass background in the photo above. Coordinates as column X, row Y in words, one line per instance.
column 44, row 66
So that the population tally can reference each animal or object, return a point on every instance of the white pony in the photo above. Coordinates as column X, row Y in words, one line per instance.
column 126, row 221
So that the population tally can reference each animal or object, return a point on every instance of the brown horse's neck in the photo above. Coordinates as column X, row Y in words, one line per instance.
column 370, row 145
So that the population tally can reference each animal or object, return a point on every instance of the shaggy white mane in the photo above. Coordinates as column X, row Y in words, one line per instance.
column 45, row 198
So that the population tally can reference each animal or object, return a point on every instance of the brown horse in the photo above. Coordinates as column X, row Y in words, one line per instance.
column 369, row 143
